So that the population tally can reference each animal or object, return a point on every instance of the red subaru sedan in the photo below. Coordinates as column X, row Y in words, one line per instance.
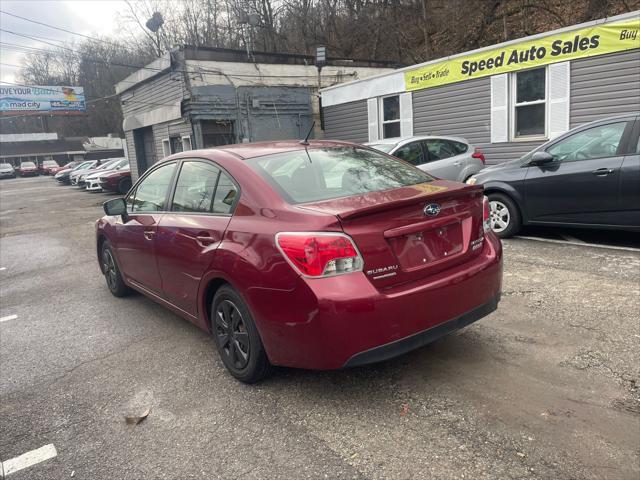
column 321, row 255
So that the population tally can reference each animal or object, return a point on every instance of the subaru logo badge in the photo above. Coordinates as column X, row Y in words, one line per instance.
column 432, row 209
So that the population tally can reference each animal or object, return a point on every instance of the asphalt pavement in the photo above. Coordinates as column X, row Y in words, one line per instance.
column 545, row 387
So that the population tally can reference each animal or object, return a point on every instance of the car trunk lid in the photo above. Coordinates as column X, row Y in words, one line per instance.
column 409, row 233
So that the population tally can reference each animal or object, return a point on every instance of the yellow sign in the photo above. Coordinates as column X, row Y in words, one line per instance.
column 426, row 188
column 586, row 42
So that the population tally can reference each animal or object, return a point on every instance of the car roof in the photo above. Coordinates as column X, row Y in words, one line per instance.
column 259, row 149
column 626, row 116
column 403, row 140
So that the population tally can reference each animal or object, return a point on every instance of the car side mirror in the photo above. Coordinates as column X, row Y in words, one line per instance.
column 116, row 206
column 541, row 158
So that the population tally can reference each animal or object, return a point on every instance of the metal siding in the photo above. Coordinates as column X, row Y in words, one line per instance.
column 604, row 86
column 166, row 130
column 460, row 109
column 131, row 153
column 347, row 121
column 163, row 90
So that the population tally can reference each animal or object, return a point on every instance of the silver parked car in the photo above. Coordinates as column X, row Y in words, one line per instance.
column 451, row 158
column 7, row 171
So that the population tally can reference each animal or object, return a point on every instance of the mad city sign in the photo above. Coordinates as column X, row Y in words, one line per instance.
column 54, row 100
column 586, row 42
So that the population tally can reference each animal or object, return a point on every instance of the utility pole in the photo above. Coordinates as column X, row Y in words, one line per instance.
column 321, row 60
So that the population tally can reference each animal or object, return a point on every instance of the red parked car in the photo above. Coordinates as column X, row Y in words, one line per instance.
column 28, row 169
column 321, row 255
column 118, row 181
column 70, row 165
column 48, row 167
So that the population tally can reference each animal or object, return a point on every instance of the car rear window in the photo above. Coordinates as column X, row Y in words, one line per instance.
column 27, row 164
column 317, row 174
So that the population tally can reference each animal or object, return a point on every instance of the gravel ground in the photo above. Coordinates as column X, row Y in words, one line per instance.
column 546, row 387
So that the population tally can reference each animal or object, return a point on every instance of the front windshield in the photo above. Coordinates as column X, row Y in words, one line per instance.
column 49, row 163
column 84, row 165
column 27, row 164
column 317, row 174
column 383, row 147
column 107, row 165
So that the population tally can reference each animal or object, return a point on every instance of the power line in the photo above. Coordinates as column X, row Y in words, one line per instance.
column 34, row 36
column 61, row 29
column 28, row 49
column 239, row 76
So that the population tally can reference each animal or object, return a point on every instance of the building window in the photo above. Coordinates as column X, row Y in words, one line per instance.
column 390, row 116
column 529, row 103
column 186, row 143
column 176, row 144
column 166, row 147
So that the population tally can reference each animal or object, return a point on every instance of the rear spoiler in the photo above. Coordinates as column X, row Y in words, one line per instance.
column 445, row 193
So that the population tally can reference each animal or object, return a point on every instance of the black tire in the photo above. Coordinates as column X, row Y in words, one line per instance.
column 111, row 272
column 237, row 338
column 124, row 186
column 504, row 215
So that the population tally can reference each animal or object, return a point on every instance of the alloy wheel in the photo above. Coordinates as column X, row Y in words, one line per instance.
column 499, row 216
column 109, row 267
column 232, row 334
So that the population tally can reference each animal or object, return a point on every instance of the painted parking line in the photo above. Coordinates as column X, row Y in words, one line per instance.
column 29, row 459
column 579, row 243
column 2, row 268
column 7, row 318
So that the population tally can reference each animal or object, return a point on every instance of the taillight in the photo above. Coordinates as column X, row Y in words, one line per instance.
column 486, row 214
column 317, row 254
column 478, row 154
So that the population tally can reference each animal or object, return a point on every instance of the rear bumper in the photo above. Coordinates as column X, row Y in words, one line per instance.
column 420, row 339
column 346, row 321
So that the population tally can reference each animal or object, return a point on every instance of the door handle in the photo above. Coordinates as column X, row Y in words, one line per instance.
column 603, row 172
column 457, row 163
column 205, row 240
column 149, row 235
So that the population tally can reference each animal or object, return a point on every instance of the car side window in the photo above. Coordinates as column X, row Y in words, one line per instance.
column 226, row 193
column 195, row 187
column 411, row 153
column 439, row 149
column 151, row 193
column 596, row 142
column 458, row 147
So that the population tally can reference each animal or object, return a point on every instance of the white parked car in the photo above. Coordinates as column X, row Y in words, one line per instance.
column 91, row 180
column 451, row 158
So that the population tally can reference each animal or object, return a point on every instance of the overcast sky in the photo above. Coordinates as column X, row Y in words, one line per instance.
column 89, row 17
